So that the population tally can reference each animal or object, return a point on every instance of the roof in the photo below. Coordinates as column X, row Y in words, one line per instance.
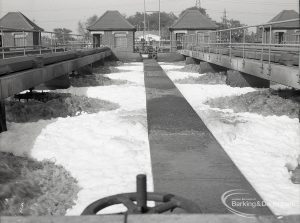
column 286, row 15
column 16, row 20
column 193, row 20
column 111, row 21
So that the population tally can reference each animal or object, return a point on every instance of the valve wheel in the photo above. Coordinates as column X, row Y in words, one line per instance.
column 136, row 203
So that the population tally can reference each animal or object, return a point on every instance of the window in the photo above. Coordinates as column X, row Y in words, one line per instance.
column 120, row 40
column 20, row 40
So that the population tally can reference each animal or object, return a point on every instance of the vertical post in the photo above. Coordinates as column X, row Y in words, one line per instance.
column 40, row 41
column 51, row 42
column 2, row 39
column 171, row 39
column 3, row 126
column 24, row 43
column 144, row 19
column 244, row 40
column 299, row 65
column 209, row 43
column 220, row 43
column 141, row 188
column 230, row 44
column 270, row 42
column 262, row 45
column 159, row 31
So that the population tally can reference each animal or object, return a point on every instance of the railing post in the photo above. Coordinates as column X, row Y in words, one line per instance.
column 51, row 42
column 2, row 45
column 209, row 43
column 24, row 43
column 270, row 43
column 262, row 46
column 230, row 44
column 299, row 64
column 244, row 40
column 63, row 36
column 40, row 41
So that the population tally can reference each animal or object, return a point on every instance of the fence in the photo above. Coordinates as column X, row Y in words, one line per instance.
column 20, row 42
column 239, row 42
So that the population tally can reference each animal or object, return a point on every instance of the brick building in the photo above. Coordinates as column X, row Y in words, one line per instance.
column 190, row 22
column 283, row 32
column 114, row 31
column 13, row 37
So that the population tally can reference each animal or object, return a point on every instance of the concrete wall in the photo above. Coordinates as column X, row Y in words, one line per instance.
column 170, row 57
column 127, row 56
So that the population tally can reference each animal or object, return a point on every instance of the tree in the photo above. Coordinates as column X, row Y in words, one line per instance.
column 83, row 25
column 236, row 35
column 63, row 35
column 152, row 22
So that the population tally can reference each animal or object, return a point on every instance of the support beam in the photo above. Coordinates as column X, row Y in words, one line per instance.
column 191, row 60
column 61, row 82
column 239, row 79
column 88, row 69
column 98, row 63
column 206, row 67
column 3, row 126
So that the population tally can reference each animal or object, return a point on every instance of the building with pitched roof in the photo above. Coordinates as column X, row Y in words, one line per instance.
column 288, row 32
column 19, row 31
column 114, row 31
column 190, row 22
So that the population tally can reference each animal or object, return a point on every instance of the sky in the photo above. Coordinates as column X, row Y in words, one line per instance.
column 50, row 14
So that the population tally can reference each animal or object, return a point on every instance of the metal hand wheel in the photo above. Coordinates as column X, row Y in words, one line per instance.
column 136, row 203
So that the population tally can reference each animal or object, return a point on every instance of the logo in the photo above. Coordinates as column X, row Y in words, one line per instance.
column 240, row 202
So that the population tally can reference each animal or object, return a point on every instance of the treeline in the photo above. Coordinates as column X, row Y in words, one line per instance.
column 152, row 22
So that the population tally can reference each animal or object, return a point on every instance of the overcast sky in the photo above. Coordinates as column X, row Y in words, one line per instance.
column 51, row 14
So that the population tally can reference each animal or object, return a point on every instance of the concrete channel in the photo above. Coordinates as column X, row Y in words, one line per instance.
column 186, row 158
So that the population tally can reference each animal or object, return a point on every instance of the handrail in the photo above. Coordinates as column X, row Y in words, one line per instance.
column 261, row 25
column 219, row 41
column 46, row 40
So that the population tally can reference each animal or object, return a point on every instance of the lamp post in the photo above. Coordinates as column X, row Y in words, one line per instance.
column 144, row 19
column 159, row 31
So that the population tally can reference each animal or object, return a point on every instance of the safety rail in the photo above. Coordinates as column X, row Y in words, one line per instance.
column 22, row 42
column 264, row 45
column 161, row 46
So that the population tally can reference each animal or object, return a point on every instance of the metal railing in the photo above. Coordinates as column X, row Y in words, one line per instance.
column 161, row 46
column 266, row 45
column 22, row 42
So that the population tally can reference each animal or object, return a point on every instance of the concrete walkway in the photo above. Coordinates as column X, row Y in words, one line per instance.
column 186, row 158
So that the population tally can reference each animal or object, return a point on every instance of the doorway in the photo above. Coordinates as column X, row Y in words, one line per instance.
column 179, row 40
column 280, row 37
column 97, row 40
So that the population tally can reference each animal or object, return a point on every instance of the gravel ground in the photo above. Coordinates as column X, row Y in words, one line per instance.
column 265, row 102
column 32, row 188
column 98, row 77
column 54, row 105
column 209, row 78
